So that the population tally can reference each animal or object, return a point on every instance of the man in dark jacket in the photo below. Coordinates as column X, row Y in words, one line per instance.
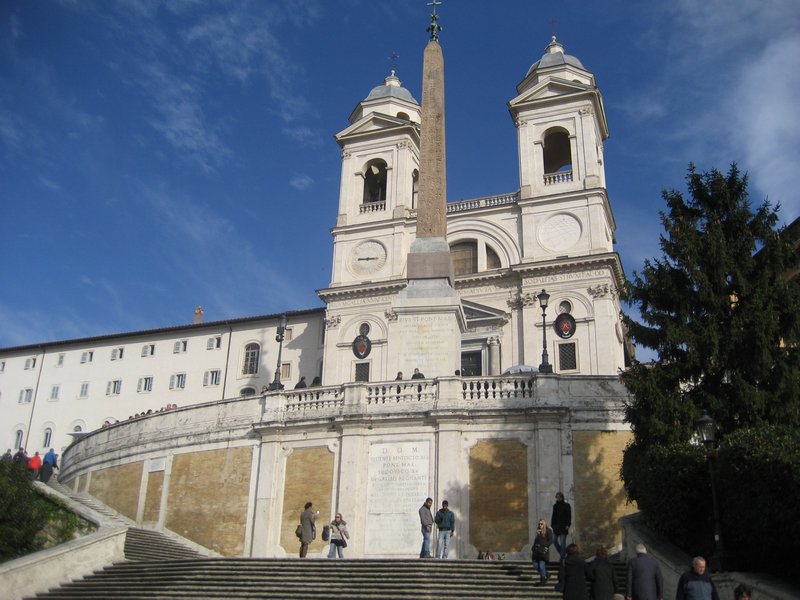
column 560, row 522
column 446, row 524
column 426, row 523
column 644, row 577
column 696, row 584
column 603, row 581
column 309, row 529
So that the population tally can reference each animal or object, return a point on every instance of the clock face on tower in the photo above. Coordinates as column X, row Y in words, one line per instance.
column 367, row 257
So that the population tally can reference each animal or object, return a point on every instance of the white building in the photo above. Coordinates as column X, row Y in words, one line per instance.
column 555, row 232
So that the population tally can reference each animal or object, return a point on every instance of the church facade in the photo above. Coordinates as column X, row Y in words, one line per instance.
column 533, row 280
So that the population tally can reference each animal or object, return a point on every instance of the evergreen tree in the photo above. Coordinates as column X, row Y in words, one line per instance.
column 721, row 313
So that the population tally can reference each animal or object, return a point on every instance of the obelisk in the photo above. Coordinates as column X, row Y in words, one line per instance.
column 427, row 332
column 430, row 255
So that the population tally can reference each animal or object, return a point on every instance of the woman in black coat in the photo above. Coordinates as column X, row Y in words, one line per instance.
column 604, row 583
column 573, row 575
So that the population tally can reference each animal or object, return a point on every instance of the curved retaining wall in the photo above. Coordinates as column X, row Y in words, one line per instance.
column 234, row 475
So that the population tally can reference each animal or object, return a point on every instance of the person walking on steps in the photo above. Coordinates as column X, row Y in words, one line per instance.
column 541, row 550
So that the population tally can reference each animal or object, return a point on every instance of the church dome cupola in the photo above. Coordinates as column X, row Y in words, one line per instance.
column 555, row 63
column 391, row 87
column 555, row 56
column 389, row 98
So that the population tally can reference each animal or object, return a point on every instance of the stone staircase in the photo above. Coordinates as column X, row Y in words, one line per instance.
column 154, row 546
column 310, row 579
column 109, row 515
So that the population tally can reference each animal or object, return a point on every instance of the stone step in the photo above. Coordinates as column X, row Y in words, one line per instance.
column 148, row 545
column 383, row 579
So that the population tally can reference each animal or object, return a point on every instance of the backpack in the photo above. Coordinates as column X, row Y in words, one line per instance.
column 299, row 532
column 326, row 533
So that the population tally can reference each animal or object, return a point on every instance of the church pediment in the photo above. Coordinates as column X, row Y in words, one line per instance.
column 478, row 315
column 548, row 89
column 377, row 122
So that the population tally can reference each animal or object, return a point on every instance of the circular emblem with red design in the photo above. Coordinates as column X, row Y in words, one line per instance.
column 362, row 346
column 564, row 325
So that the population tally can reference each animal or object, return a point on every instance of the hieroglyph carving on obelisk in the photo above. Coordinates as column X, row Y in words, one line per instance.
column 431, row 210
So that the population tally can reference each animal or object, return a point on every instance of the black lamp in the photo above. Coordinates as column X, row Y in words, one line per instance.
column 276, row 383
column 706, row 428
column 545, row 367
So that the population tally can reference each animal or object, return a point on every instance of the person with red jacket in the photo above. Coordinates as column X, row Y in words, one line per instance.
column 34, row 464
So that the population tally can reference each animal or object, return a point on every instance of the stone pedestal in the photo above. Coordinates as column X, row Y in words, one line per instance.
column 427, row 331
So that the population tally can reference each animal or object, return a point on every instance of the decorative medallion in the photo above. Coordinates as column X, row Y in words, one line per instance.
column 362, row 346
column 564, row 325
column 560, row 232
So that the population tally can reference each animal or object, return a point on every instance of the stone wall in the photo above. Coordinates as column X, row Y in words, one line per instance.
column 498, row 496
column 309, row 478
column 208, row 497
column 600, row 499
column 233, row 476
column 118, row 487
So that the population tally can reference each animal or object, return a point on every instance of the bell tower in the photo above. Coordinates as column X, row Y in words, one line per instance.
column 380, row 174
column 567, row 233
column 561, row 126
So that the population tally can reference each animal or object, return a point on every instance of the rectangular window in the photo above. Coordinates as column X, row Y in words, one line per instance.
column 87, row 357
column 362, row 371
column 54, row 391
column 60, row 362
column 84, row 390
column 2, row 366
column 30, row 363
column 148, row 349
column 25, row 395
column 177, row 381
column 288, row 334
column 145, row 384
column 286, row 371
column 567, row 357
column 211, row 377
column 116, row 353
column 213, row 343
column 180, row 347
column 114, row 387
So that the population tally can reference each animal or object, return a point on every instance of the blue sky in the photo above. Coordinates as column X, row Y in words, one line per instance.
column 156, row 156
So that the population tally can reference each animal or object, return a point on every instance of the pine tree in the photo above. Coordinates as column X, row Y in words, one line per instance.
column 720, row 312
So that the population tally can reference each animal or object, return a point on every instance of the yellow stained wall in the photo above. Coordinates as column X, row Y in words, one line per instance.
column 208, row 497
column 309, row 478
column 118, row 487
column 599, row 494
column 498, row 495
column 152, row 499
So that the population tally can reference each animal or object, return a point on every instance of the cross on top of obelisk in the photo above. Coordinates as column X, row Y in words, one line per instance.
column 434, row 28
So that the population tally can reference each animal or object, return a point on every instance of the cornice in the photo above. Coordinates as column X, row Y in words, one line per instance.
column 576, row 265
column 361, row 290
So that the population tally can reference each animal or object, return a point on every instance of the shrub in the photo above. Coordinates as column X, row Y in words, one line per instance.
column 30, row 521
column 758, row 482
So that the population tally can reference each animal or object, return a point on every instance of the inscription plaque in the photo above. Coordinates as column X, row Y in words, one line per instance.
column 399, row 482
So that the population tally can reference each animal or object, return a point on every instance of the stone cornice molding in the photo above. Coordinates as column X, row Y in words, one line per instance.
column 362, row 290
column 564, row 267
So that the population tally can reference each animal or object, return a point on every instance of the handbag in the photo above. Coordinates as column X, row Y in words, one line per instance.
column 299, row 532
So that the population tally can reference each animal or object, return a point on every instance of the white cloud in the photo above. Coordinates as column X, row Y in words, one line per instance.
column 301, row 182
column 49, row 183
column 304, row 135
column 763, row 111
